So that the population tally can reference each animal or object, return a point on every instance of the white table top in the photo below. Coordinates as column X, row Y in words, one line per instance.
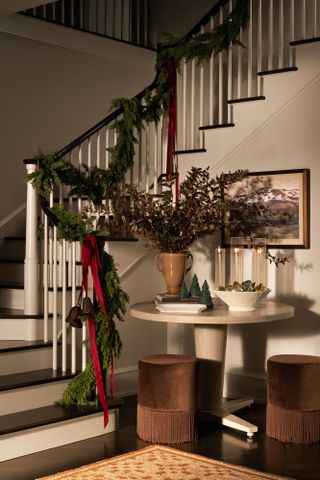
column 269, row 312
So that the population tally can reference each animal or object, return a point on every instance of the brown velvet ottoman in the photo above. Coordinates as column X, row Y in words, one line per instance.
column 293, row 406
column 166, row 398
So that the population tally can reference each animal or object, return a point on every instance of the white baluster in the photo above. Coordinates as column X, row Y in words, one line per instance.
column 230, row 93
column 63, row 11
column 280, row 62
column 72, row 13
column 55, row 304
column 98, row 148
column 31, row 262
column 45, row 281
column 184, row 106
column 201, row 117
column 73, row 296
column 239, row 69
column 249, row 48
column 64, row 307
column 270, row 51
column 156, row 159
column 303, row 19
column 147, row 130
column 259, row 59
column 292, row 33
column 211, row 81
column 192, row 122
column 220, row 104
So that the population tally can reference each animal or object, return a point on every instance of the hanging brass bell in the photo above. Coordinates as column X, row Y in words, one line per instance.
column 74, row 317
column 87, row 307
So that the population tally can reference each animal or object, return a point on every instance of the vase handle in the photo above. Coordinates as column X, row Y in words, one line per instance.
column 189, row 256
column 158, row 257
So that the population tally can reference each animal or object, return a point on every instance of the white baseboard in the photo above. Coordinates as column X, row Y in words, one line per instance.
column 38, row 439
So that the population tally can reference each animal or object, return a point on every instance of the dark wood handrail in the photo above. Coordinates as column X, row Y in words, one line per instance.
column 113, row 115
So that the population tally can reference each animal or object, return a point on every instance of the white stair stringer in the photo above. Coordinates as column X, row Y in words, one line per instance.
column 251, row 117
column 37, row 439
column 28, row 398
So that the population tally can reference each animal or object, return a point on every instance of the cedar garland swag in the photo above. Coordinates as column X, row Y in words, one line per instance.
column 99, row 184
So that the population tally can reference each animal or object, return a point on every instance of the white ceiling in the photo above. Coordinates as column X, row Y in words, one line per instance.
column 11, row 6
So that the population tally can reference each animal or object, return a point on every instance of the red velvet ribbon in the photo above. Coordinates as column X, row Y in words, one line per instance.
column 90, row 257
column 172, row 121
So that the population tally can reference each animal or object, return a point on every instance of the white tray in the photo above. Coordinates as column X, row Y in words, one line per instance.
column 180, row 307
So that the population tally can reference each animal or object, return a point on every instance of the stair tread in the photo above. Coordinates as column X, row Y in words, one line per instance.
column 195, row 150
column 18, row 285
column 304, row 40
column 17, row 313
column 277, row 70
column 37, row 417
column 216, row 126
column 34, row 377
column 246, row 99
column 18, row 345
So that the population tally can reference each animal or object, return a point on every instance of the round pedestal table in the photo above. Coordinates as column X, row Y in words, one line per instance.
column 210, row 334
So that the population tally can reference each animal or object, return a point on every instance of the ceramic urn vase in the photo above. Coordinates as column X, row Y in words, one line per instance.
column 173, row 267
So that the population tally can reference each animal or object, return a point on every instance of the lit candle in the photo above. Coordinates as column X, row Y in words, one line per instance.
column 219, row 273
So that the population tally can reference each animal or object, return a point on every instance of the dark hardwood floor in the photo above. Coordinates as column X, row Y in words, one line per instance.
column 221, row 443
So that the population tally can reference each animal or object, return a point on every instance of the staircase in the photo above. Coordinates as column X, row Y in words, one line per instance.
column 221, row 106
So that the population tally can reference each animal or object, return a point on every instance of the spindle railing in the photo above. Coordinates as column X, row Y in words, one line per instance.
column 125, row 20
column 206, row 93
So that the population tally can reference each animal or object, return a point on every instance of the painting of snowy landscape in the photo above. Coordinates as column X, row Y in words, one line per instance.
column 271, row 205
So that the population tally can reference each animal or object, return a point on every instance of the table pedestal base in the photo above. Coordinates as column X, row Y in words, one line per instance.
column 210, row 343
column 224, row 415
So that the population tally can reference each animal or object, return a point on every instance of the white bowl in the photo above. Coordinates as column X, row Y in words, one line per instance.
column 240, row 301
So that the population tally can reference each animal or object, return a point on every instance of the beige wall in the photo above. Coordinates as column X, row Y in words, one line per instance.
column 54, row 85
column 288, row 139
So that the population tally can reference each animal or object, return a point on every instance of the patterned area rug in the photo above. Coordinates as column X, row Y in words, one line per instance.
column 161, row 463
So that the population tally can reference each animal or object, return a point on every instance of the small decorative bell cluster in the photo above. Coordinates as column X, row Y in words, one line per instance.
column 246, row 286
column 76, row 312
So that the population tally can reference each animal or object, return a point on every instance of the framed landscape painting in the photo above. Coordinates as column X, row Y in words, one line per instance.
column 271, row 204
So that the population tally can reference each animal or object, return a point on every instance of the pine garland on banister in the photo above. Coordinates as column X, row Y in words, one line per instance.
column 99, row 184
column 103, row 184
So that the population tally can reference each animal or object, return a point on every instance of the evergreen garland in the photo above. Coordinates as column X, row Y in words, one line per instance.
column 108, row 339
column 98, row 184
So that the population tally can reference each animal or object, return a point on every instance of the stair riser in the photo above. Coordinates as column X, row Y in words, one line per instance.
column 27, row 398
column 11, row 272
column 55, row 435
column 24, row 328
column 14, row 298
column 25, row 360
column 11, row 298
column 15, row 250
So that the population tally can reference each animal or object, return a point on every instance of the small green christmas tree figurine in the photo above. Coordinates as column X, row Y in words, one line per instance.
column 195, row 287
column 183, row 292
column 205, row 296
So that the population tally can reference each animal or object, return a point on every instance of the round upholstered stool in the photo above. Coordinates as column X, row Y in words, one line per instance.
column 166, row 399
column 293, row 407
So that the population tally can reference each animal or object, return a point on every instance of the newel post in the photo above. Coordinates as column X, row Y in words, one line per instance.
column 31, row 261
